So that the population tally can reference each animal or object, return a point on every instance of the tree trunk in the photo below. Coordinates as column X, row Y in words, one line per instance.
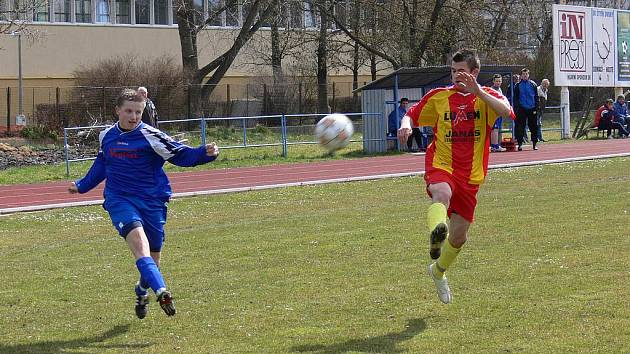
column 322, row 68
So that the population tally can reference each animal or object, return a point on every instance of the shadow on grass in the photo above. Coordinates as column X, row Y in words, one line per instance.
column 74, row 345
column 382, row 344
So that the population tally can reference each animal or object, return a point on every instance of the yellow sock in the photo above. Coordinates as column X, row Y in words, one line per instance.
column 447, row 257
column 436, row 214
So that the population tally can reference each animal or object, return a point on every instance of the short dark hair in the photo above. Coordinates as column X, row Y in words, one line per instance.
column 129, row 95
column 497, row 76
column 621, row 96
column 469, row 56
column 524, row 70
column 404, row 99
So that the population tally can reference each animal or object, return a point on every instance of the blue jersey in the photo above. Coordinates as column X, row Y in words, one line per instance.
column 131, row 162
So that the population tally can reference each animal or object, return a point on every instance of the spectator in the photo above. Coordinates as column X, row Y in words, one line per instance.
column 620, row 109
column 149, row 115
column 604, row 120
column 525, row 103
column 495, row 145
column 393, row 120
column 543, row 89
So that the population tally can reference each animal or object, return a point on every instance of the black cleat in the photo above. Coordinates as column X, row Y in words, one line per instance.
column 438, row 235
column 142, row 304
column 166, row 303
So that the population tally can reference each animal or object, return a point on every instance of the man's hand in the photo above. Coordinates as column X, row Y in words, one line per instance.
column 467, row 82
column 212, row 149
column 73, row 188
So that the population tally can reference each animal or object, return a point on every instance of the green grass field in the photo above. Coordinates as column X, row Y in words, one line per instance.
column 336, row 268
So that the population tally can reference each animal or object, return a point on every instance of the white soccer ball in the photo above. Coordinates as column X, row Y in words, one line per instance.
column 334, row 131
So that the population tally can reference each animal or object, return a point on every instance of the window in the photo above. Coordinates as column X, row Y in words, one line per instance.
column 123, row 10
column 310, row 16
column 296, row 15
column 21, row 10
column 143, row 12
column 62, row 10
column 161, row 12
column 102, row 11
column 174, row 9
column 232, row 15
column 82, row 11
column 341, row 12
column 216, row 19
column 41, row 12
column 198, row 11
column 4, row 10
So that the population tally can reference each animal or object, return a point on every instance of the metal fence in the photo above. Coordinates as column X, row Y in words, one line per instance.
column 285, row 122
column 58, row 107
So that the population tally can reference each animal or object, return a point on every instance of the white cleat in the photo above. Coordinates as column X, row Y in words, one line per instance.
column 443, row 291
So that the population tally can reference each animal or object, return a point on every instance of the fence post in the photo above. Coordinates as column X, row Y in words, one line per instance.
column 300, row 100
column 334, row 108
column 203, row 131
column 60, row 120
column 283, row 123
column 264, row 98
column 103, row 102
column 65, row 151
column 228, row 111
column 8, row 111
column 188, row 103
column 244, row 131
column 247, row 99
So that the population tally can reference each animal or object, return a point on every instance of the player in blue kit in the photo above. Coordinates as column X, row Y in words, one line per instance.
column 137, row 190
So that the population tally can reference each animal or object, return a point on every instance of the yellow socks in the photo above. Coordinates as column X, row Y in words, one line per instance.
column 436, row 214
column 449, row 253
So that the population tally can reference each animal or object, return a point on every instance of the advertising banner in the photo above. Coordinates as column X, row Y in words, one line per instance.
column 604, row 51
column 572, row 46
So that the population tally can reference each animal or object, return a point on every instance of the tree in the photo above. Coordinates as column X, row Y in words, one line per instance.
column 195, row 76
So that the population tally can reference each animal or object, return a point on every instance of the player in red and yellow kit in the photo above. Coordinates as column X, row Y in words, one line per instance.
column 462, row 117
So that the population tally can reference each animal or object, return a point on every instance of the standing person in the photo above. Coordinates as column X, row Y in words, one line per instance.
column 525, row 103
column 149, row 115
column 495, row 145
column 543, row 89
column 137, row 190
column 456, row 162
column 393, row 119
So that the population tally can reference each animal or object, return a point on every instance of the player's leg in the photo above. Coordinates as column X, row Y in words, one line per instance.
column 462, row 207
column 440, row 191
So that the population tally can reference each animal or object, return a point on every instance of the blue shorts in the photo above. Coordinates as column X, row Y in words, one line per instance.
column 498, row 124
column 125, row 211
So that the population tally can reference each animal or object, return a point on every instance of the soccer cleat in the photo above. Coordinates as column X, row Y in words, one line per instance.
column 438, row 235
column 166, row 303
column 142, row 304
column 441, row 285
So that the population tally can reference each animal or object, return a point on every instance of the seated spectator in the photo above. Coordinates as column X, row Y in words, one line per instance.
column 393, row 120
column 604, row 120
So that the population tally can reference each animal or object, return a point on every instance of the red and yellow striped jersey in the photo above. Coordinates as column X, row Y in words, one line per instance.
column 461, row 125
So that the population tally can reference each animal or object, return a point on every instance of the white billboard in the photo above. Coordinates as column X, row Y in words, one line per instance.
column 604, row 51
column 590, row 46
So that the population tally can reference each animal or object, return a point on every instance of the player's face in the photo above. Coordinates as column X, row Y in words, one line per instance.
column 461, row 67
column 130, row 114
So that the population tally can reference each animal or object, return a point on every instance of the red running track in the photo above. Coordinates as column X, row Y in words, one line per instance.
column 28, row 197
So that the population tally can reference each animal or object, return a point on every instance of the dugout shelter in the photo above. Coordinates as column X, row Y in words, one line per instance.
column 383, row 95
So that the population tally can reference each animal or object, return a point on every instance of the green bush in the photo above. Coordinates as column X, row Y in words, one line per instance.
column 37, row 132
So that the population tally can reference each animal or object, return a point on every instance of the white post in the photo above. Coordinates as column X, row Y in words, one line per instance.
column 566, row 112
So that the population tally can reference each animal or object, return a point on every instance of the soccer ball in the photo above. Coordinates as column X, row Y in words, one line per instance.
column 334, row 131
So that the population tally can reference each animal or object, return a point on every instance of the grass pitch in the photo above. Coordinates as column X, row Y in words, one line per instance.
column 336, row 268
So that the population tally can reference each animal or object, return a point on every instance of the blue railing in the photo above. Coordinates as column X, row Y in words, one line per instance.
column 284, row 141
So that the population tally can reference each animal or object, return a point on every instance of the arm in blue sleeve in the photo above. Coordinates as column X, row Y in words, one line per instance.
column 187, row 156
column 95, row 175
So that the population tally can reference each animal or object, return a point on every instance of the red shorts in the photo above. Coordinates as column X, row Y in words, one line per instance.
column 464, row 197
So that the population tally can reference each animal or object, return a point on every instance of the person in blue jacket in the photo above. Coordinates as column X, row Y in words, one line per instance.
column 525, row 104
column 137, row 190
column 394, row 117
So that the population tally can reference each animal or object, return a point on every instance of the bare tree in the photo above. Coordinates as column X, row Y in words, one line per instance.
column 195, row 75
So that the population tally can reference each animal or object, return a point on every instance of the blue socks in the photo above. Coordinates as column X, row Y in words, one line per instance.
column 150, row 274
